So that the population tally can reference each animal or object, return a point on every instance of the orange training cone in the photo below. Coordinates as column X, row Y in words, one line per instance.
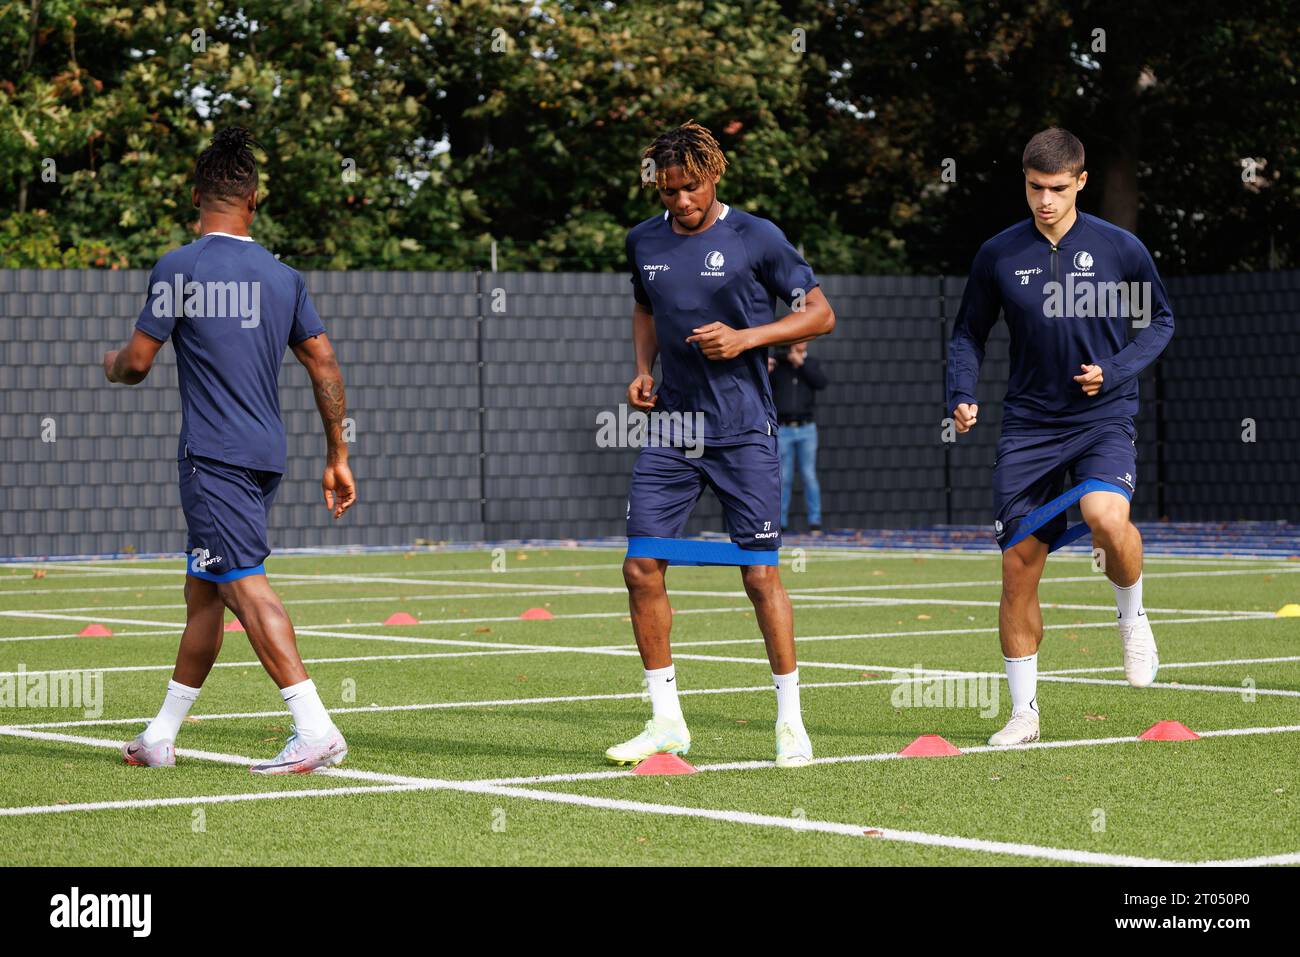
column 95, row 631
column 1168, row 731
column 929, row 746
column 663, row 764
column 537, row 614
column 401, row 618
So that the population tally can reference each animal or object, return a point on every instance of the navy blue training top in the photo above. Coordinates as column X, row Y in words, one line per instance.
column 732, row 273
column 1010, row 273
column 231, row 309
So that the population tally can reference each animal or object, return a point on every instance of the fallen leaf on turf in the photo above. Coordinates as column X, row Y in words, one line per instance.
column 521, row 557
column 521, row 677
column 870, row 674
column 482, row 631
column 190, row 719
column 872, row 832
column 643, row 840
column 1094, row 717
column 63, row 802
column 922, row 617
column 39, row 573
column 877, row 572
column 742, row 721
column 995, row 777
column 68, row 764
column 407, row 554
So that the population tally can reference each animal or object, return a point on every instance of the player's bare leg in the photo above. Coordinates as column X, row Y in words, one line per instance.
column 1020, row 630
column 200, row 645
column 315, row 742
column 205, row 614
column 1119, row 549
column 652, row 622
column 776, row 621
column 652, row 615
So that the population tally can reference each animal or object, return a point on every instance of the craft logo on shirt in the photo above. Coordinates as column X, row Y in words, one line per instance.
column 1024, row 274
column 655, row 268
column 713, row 263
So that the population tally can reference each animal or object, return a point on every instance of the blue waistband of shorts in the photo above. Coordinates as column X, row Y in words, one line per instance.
column 230, row 576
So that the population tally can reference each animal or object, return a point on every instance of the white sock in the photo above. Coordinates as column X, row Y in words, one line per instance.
column 174, row 709
column 662, row 683
column 1129, row 600
column 309, row 714
column 1022, row 676
column 787, row 699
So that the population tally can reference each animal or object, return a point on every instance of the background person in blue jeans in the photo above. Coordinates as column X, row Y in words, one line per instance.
column 796, row 380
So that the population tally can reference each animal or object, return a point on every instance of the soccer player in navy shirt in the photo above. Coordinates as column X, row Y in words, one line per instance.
column 706, row 277
column 1070, row 285
column 231, row 309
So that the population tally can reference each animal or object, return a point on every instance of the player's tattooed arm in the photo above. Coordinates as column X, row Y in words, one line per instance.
column 318, row 356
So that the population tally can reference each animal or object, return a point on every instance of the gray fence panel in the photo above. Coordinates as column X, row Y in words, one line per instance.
column 475, row 400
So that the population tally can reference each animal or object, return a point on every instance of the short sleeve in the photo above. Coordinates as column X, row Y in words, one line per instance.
column 782, row 271
column 638, row 288
column 306, row 321
column 158, row 317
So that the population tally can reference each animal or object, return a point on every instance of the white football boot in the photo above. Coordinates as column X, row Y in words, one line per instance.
column 1021, row 729
column 1140, row 659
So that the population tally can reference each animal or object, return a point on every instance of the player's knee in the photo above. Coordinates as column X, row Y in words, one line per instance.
column 761, row 580
column 1019, row 577
column 642, row 573
column 1108, row 521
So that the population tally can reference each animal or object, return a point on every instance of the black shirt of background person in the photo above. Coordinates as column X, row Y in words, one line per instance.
column 795, row 390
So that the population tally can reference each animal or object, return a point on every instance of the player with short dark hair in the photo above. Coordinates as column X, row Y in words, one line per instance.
column 231, row 309
column 1070, row 284
column 706, row 278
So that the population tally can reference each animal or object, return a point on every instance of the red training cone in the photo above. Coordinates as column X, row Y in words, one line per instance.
column 401, row 618
column 537, row 614
column 1168, row 731
column 663, row 764
column 235, row 625
column 929, row 746
column 95, row 631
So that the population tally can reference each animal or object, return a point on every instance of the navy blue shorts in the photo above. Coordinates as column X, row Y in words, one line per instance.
column 1030, row 471
column 744, row 472
column 226, row 509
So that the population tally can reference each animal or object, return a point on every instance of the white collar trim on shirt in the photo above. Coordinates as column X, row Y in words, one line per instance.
column 247, row 239
column 722, row 215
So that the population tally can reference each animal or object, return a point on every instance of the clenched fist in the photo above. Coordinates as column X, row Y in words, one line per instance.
column 965, row 416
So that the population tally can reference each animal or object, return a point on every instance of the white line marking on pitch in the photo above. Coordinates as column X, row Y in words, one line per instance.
column 1015, row 849
column 1178, row 664
column 887, row 755
column 208, row 799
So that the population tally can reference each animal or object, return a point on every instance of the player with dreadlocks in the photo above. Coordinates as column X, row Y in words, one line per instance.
column 231, row 309
column 706, row 277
